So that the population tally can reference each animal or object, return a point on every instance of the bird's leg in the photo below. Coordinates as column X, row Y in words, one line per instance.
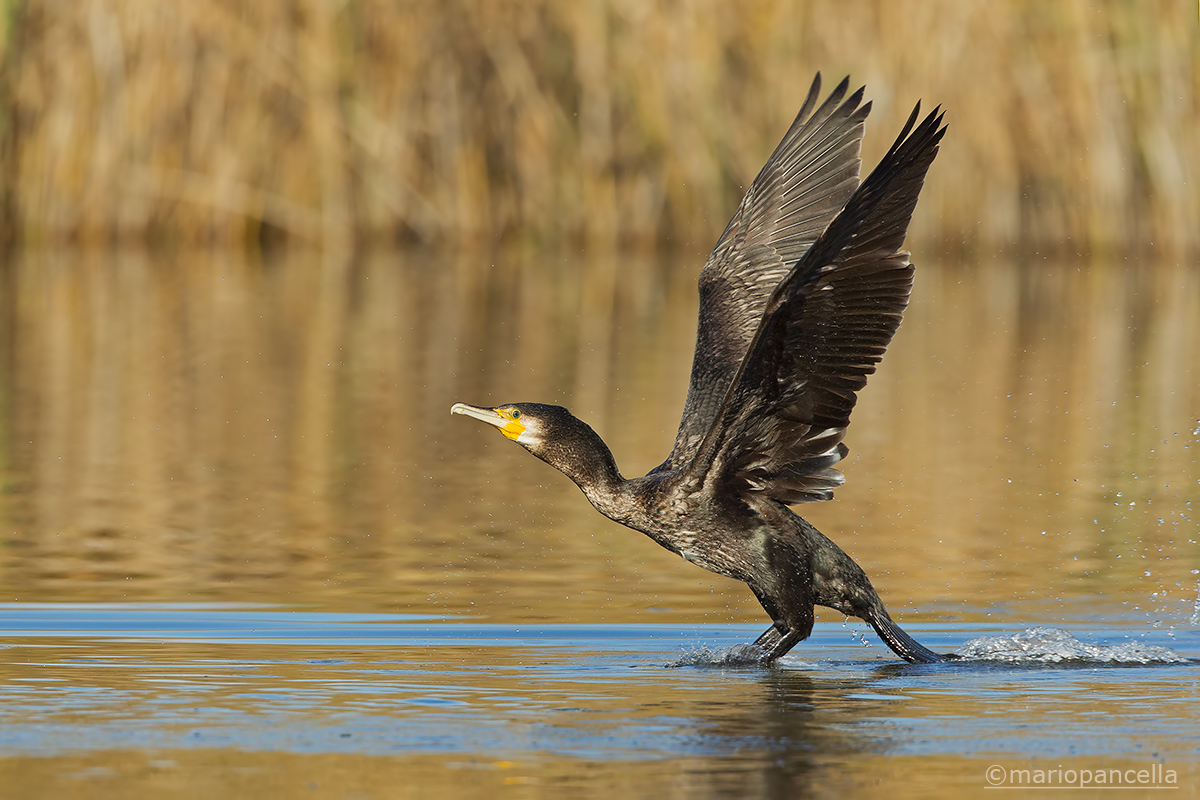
column 793, row 624
column 841, row 584
column 798, row 628
column 759, row 652
column 901, row 643
column 771, row 637
column 780, row 649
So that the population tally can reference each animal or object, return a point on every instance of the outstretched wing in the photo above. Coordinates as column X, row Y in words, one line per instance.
column 802, row 187
column 780, row 426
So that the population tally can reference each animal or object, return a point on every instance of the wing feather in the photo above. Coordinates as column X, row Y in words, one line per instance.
column 804, row 184
column 779, row 429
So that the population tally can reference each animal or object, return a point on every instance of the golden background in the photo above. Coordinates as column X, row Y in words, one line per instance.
column 1073, row 125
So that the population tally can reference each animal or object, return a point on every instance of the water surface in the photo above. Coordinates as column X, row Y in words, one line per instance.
column 245, row 548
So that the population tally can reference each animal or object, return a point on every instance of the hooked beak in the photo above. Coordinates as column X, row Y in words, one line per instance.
column 505, row 423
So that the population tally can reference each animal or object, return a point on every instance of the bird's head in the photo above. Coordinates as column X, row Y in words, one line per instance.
column 520, row 422
column 553, row 434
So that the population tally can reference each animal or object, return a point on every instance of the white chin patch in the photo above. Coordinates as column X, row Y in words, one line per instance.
column 530, row 436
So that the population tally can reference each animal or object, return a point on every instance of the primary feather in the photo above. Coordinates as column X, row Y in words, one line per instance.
column 804, row 184
column 779, row 429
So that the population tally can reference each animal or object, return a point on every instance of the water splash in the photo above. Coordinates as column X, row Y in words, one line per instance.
column 742, row 655
column 1195, row 618
column 1052, row 645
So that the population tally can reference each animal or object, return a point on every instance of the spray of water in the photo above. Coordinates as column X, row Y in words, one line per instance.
column 742, row 655
column 1052, row 645
column 1195, row 618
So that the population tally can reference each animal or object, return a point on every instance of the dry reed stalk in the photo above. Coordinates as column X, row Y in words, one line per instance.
column 1073, row 125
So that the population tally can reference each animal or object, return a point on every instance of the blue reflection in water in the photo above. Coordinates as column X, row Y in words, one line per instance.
column 95, row 677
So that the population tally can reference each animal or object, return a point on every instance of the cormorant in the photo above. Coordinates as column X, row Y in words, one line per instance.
column 798, row 302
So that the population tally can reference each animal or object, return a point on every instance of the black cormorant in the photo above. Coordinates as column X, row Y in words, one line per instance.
column 798, row 302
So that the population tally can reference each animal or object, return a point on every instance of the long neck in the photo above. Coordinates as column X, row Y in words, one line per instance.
column 586, row 459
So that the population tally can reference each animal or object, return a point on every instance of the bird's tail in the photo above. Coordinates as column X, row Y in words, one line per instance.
column 904, row 645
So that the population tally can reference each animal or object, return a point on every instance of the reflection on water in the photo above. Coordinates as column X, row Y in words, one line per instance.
column 196, row 426
column 147, row 693
column 204, row 431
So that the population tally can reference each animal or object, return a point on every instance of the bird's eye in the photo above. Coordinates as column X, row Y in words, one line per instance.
column 516, row 414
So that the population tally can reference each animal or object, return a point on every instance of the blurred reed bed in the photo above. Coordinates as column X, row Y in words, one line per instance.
column 615, row 122
column 211, row 425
